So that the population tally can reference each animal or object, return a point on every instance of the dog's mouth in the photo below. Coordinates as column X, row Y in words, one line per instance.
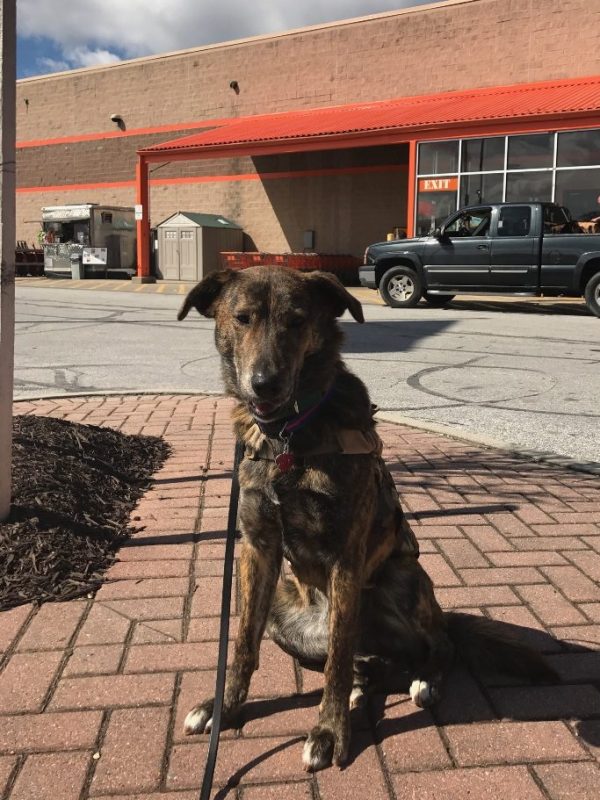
column 266, row 412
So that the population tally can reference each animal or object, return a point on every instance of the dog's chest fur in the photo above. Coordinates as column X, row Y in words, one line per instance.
column 337, row 507
column 303, row 508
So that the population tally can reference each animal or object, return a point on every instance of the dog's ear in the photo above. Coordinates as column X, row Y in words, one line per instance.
column 331, row 291
column 203, row 296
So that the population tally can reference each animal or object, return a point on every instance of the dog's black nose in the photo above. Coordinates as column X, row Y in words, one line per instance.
column 265, row 384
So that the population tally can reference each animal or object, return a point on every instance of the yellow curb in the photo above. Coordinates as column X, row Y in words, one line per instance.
column 366, row 296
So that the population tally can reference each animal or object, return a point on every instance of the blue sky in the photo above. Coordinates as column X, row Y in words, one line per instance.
column 38, row 55
column 54, row 35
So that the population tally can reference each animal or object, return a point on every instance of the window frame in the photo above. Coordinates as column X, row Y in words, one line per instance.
column 497, row 228
column 473, row 211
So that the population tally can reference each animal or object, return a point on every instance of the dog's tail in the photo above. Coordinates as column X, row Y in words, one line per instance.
column 488, row 644
column 299, row 628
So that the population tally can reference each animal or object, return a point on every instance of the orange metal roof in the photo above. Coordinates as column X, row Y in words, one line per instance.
column 534, row 101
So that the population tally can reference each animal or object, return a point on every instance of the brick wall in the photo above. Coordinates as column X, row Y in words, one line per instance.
column 346, row 210
column 455, row 45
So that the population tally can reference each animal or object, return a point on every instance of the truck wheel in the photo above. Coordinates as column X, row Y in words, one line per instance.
column 438, row 300
column 401, row 287
column 592, row 294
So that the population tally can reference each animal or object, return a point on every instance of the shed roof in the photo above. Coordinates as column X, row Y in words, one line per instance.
column 202, row 220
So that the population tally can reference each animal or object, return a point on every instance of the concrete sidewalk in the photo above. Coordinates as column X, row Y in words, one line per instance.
column 93, row 692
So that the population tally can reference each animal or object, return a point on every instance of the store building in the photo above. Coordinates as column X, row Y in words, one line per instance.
column 294, row 137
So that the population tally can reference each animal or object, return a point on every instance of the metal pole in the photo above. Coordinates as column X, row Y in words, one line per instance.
column 142, row 200
column 411, row 199
column 8, row 86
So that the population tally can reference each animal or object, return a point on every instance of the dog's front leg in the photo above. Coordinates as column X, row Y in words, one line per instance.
column 329, row 740
column 259, row 571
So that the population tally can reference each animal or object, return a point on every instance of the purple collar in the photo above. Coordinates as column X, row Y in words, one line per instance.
column 284, row 427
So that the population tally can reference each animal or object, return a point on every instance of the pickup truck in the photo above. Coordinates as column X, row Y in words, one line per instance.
column 501, row 248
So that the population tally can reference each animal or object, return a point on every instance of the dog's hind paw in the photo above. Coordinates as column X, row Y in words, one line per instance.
column 358, row 699
column 423, row 693
column 199, row 719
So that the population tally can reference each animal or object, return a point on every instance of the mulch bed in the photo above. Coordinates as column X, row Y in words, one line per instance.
column 74, row 487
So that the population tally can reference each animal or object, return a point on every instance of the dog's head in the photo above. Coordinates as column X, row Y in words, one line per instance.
column 276, row 331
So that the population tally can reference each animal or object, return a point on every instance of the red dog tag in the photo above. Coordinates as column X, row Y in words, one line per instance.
column 285, row 461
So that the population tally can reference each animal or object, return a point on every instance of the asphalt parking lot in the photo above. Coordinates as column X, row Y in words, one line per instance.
column 521, row 374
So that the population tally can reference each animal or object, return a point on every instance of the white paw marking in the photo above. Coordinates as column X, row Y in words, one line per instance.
column 420, row 693
column 197, row 721
column 357, row 697
column 310, row 759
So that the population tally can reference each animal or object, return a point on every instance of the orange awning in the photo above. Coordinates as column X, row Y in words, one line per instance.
column 359, row 124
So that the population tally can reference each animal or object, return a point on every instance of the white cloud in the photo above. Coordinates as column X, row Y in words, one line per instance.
column 84, row 57
column 52, row 65
column 93, row 31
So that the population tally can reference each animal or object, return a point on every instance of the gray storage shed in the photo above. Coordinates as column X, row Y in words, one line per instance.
column 189, row 244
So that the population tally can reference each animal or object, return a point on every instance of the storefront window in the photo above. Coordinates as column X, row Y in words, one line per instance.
column 438, row 158
column 528, row 187
column 483, row 155
column 578, row 149
column 446, row 182
column 484, row 188
column 579, row 191
column 530, row 152
column 432, row 209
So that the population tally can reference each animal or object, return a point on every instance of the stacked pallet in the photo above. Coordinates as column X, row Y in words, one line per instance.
column 28, row 260
column 344, row 266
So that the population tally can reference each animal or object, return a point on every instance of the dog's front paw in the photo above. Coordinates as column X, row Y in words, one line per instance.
column 424, row 693
column 199, row 719
column 324, row 747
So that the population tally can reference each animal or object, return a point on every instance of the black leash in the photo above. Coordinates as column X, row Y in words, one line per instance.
column 213, row 745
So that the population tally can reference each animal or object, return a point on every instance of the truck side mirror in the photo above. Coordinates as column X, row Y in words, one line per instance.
column 439, row 233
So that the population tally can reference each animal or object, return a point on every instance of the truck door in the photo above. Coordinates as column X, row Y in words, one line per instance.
column 513, row 265
column 460, row 259
column 561, row 248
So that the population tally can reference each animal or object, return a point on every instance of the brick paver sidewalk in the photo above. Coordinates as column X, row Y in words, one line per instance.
column 93, row 692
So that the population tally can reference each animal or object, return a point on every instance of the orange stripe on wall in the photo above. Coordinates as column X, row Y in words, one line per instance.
column 252, row 176
column 91, row 137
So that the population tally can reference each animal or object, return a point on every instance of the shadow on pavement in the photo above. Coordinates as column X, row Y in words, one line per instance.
column 560, row 307
column 468, row 697
column 400, row 335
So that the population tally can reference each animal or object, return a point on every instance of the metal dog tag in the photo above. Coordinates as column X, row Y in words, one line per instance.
column 285, row 461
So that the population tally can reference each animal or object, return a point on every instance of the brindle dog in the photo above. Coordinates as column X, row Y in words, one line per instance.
column 315, row 490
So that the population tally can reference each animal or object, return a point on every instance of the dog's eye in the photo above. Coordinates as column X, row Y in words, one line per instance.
column 243, row 319
column 296, row 321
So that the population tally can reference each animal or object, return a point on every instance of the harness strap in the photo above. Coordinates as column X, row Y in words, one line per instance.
column 213, row 745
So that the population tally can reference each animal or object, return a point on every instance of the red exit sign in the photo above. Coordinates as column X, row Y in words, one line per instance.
column 438, row 184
